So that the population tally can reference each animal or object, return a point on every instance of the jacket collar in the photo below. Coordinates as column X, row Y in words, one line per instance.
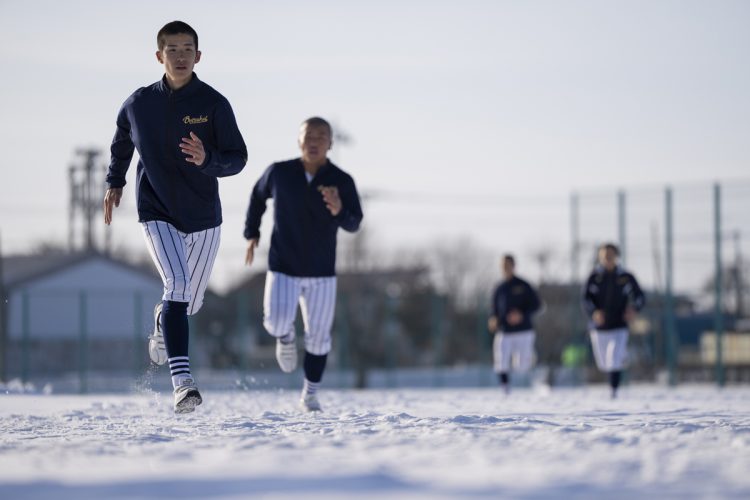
column 601, row 270
column 323, row 168
column 183, row 92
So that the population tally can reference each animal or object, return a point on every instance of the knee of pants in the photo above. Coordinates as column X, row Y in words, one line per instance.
column 318, row 345
column 278, row 328
column 174, row 293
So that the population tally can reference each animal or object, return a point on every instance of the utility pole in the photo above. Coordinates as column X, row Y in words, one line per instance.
column 84, row 198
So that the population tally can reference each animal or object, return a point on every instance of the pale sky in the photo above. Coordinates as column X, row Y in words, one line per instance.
column 468, row 101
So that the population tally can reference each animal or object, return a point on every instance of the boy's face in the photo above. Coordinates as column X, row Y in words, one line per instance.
column 178, row 56
column 508, row 268
column 607, row 258
column 314, row 142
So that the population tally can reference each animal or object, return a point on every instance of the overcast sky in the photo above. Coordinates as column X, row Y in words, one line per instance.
column 464, row 101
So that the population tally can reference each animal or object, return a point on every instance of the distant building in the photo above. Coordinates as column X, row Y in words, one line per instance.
column 74, row 312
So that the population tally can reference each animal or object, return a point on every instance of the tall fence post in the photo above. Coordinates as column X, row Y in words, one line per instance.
column 622, row 226
column 669, row 321
column 391, row 350
column 4, row 323
column 243, row 332
column 482, row 334
column 575, row 247
column 575, row 237
column 25, row 336
column 718, row 290
column 82, row 341
column 138, row 337
column 438, row 328
column 342, row 339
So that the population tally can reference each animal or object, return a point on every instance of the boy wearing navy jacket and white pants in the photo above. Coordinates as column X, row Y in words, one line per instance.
column 313, row 198
column 186, row 136
column 611, row 298
column 514, row 303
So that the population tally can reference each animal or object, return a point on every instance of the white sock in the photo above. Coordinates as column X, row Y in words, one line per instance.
column 310, row 388
column 179, row 366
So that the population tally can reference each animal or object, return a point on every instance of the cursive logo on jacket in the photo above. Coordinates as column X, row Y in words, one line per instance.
column 188, row 120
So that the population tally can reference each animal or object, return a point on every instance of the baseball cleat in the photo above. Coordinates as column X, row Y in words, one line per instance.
column 157, row 351
column 186, row 397
column 310, row 403
column 286, row 355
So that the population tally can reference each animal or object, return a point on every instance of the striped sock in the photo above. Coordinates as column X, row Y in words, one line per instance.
column 310, row 388
column 179, row 366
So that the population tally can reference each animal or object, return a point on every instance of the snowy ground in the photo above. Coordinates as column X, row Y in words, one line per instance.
column 654, row 442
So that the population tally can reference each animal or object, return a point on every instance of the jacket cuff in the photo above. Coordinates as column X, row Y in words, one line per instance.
column 206, row 160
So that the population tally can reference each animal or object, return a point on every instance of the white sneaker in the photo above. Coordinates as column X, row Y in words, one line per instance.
column 286, row 355
column 309, row 402
column 157, row 351
column 186, row 396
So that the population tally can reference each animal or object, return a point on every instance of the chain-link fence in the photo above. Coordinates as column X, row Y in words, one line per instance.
column 396, row 326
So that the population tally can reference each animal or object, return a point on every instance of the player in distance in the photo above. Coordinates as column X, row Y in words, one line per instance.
column 514, row 303
column 611, row 298
column 313, row 198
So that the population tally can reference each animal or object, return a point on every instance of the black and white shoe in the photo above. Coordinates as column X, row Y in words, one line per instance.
column 310, row 403
column 157, row 351
column 186, row 396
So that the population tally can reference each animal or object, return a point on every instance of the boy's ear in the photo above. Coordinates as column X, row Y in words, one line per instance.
column 158, row 57
column 197, row 56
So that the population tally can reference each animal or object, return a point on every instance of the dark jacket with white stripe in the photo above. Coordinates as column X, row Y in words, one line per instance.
column 303, row 241
column 612, row 292
column 154, row 120
column 517, row 294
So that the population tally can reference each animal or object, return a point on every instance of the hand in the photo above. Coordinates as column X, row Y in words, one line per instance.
column 193, row 147
column 492, row 324
column 629, row 314
column 111, row 199
column 598, row 317
column 514, row 317
column 331, row 199
column 250, row 254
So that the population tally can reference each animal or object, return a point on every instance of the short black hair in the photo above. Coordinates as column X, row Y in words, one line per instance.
column 508, row 257
column 316, row 121
column 610, row 246
column 175, row 28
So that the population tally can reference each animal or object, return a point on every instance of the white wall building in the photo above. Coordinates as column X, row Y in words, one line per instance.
column 73, row 312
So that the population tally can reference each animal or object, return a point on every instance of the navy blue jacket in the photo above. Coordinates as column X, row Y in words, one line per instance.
column 611, row 292
column 514, row 293
column 154, row 120
column 303, row 241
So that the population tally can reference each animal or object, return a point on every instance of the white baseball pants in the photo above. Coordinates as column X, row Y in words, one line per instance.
column 610, row 348
column 514, row 350
column 317, row 301
column 184, row 260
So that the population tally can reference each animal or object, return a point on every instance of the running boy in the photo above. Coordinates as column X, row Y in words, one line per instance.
column 312, row 199
column 513, row 305
column 611, row 298
column 186, row 136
